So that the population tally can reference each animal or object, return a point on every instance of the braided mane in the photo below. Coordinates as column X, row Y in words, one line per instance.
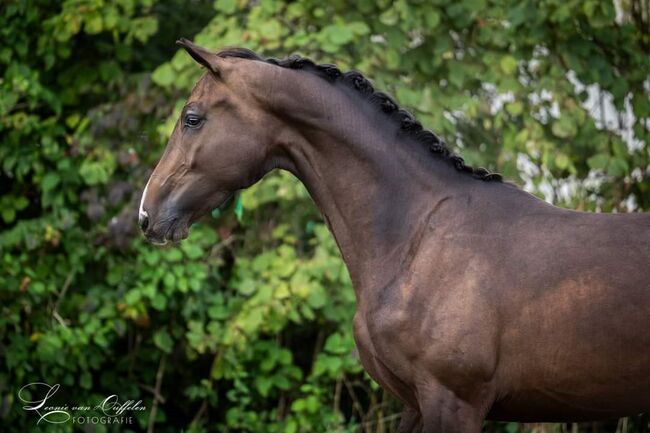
column 354, row 79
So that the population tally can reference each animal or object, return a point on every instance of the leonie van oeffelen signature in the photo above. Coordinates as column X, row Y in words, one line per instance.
column 110, row 410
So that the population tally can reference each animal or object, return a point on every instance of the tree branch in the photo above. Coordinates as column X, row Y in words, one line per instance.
column 156, row 395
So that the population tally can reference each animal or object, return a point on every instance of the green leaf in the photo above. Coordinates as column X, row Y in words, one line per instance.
column 239, row 208
column 94, row 24
column 271, row 30
column 98, row 171
column 618, row 167
column 312, row 404
column 317, row 298
column 159, row 301
column 8, row 214
column 508, row 64
column 169, row 279
column 392, row 58
column 564, row 127
column 218, row 312
column 21, row 203
column 174, row 255
column 515, row 108
column 339, row 34
column 359, row 28
column 336, row 344
column 432, row 19
column 246, row 287
column 132, row 296
column 389, row 17
column 598, row 161
column 562, row 161
column 281, row 382
column 226, row 6
column 85, row 380
column 291, row 426
column 263, row 385
column 163, row 341
column 163, row 75
column 50, row 181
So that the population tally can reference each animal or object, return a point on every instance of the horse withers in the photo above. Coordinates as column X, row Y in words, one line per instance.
column 475, row 299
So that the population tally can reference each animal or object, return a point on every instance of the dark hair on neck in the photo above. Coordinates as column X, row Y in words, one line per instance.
column 354, row 79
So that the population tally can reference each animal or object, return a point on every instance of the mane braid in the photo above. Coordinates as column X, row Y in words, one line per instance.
column 406, row 121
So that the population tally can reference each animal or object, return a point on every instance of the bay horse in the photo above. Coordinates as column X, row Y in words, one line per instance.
column 475, row 299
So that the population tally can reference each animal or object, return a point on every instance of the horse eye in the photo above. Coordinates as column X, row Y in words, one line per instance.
column 193, row 121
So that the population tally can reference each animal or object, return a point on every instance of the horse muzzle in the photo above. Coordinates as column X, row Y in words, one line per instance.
column 170, row 228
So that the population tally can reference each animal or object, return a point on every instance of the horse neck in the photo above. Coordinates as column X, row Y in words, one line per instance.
column 374, row 187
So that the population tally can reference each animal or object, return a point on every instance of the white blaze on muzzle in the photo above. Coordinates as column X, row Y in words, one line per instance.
column 141, row 212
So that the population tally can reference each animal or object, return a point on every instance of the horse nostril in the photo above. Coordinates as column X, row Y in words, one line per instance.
column 143, row 220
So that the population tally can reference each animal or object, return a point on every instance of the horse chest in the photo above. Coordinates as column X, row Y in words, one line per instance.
column 403, row 346
column 383, row 357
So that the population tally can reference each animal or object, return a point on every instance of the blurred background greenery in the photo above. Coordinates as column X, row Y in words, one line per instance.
column 246, row 326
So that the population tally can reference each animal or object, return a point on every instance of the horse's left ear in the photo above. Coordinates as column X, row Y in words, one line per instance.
column 201, row 55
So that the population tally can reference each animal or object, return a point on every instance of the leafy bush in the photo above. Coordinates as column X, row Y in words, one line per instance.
column 246, row 326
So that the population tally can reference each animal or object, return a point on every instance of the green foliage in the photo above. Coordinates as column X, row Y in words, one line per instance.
column 248, row 322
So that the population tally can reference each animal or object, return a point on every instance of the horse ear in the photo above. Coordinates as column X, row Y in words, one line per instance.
column 201, row 55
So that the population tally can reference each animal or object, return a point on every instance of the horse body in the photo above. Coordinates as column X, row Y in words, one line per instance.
column 571, row 345
column 474, row 299
column 512, row 311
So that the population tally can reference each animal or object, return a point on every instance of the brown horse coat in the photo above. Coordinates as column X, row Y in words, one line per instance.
column 475, row 299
